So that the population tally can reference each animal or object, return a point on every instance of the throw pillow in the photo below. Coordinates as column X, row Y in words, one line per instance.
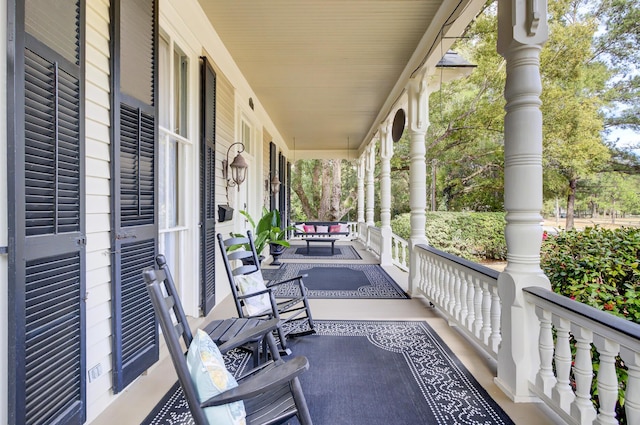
column 249, row 284
column 309, row 228
column 334, row 228
column 210, row 377
column 299, row 228
column 344, row 228
column 322, row 229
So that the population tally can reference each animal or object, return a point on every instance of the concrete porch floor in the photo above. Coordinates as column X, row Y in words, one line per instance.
column 135, row 403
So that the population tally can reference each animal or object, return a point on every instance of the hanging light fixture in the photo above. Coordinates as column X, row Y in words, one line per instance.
column 238, row 168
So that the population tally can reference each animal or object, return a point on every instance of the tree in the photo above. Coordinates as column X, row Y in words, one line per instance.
column 324, row 190
column 590, row 84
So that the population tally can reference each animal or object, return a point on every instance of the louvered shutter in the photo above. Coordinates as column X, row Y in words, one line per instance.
column 46, row 215
column 282, row 198
column 272, row 172
column 207, row 186
column 135, row 334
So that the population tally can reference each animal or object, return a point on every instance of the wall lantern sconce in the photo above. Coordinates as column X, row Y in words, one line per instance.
column 273, row 185
column 238, row 168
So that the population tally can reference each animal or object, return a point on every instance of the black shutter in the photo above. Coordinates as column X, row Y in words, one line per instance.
column 282, row 198
column 134, row 70
column 272, row 172
column 207, row 186
column 46, row 214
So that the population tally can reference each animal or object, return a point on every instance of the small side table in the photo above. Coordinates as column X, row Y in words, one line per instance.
column 321, row 240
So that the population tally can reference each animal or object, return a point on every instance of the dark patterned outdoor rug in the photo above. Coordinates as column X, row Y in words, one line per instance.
column 297, row 252
column 376, row 373
column 337, row 281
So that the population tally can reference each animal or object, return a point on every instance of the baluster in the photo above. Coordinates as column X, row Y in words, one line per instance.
column 632, row 392
column 607, row 380
column 471, row 313
column 562, row 393
column 432, row 277
column 444, row 296
column 456, row 295
column 496, row 311
column 405, row 256
column 485, row 332
column 463, row 297
column 545, row 379
column 449, row 299
column 438, row 293
column 477, row 307
column 582, row 408
column 421, row 272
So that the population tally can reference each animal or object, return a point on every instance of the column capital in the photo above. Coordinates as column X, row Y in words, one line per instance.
column 386, row 141
column 521, row 23
column 418, row 104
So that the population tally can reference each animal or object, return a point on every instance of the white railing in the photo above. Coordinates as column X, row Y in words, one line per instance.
column 353, row 229
column 374, row 240
column 466, row 293
column 569, row 333
column 399, row 252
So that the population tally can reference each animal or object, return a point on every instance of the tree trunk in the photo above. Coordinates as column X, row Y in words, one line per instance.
column 336, row 191
column 571, row 201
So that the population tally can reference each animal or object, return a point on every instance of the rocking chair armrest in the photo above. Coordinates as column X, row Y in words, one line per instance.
column 298, row 278
column 253, row 294
column 261, row 382
column 249, row 335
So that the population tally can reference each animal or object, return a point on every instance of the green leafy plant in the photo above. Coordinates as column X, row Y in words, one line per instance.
column 266, row 231
column 598, row 267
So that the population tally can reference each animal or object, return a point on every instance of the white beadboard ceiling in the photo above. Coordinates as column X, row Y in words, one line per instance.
column 331, row 70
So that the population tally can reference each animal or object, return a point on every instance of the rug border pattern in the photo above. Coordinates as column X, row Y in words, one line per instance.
column 382, row 286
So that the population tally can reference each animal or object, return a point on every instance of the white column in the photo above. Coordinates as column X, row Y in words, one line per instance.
column 386, row 152
column 361, row 190
column 418, row 117
column 370, row 168
column 522, row 30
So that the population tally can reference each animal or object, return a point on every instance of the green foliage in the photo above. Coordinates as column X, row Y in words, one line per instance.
column 474, row 236
column 598, row 267
column 265, row 232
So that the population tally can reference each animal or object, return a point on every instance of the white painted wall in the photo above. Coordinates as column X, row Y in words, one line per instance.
column 97, row 122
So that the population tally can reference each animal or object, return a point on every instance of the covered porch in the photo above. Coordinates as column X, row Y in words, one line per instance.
column 141, row 397
column 275, row 82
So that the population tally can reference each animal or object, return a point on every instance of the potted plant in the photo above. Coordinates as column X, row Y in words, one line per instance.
column 267, row 231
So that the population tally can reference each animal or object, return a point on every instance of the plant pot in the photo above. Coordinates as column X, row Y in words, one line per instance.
column 276, row 251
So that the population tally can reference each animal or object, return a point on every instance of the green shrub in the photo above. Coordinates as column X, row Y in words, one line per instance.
column 474, row 236
column 597, row 266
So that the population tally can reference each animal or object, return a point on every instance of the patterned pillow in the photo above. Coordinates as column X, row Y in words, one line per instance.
column 250, row 283
column 334, row 228
column 322, row 229
column 210, row 377
column 300, row 228
column 308, row 228
column 344, row 227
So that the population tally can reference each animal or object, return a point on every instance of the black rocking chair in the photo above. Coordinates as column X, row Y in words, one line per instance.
column 293, row 312
column 271, row 393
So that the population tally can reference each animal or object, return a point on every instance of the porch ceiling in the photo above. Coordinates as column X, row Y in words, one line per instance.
column 331, row 70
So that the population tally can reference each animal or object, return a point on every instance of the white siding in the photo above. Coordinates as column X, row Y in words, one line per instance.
column 98, row 203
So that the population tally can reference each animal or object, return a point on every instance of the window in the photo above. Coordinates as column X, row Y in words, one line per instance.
column 175, row 148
